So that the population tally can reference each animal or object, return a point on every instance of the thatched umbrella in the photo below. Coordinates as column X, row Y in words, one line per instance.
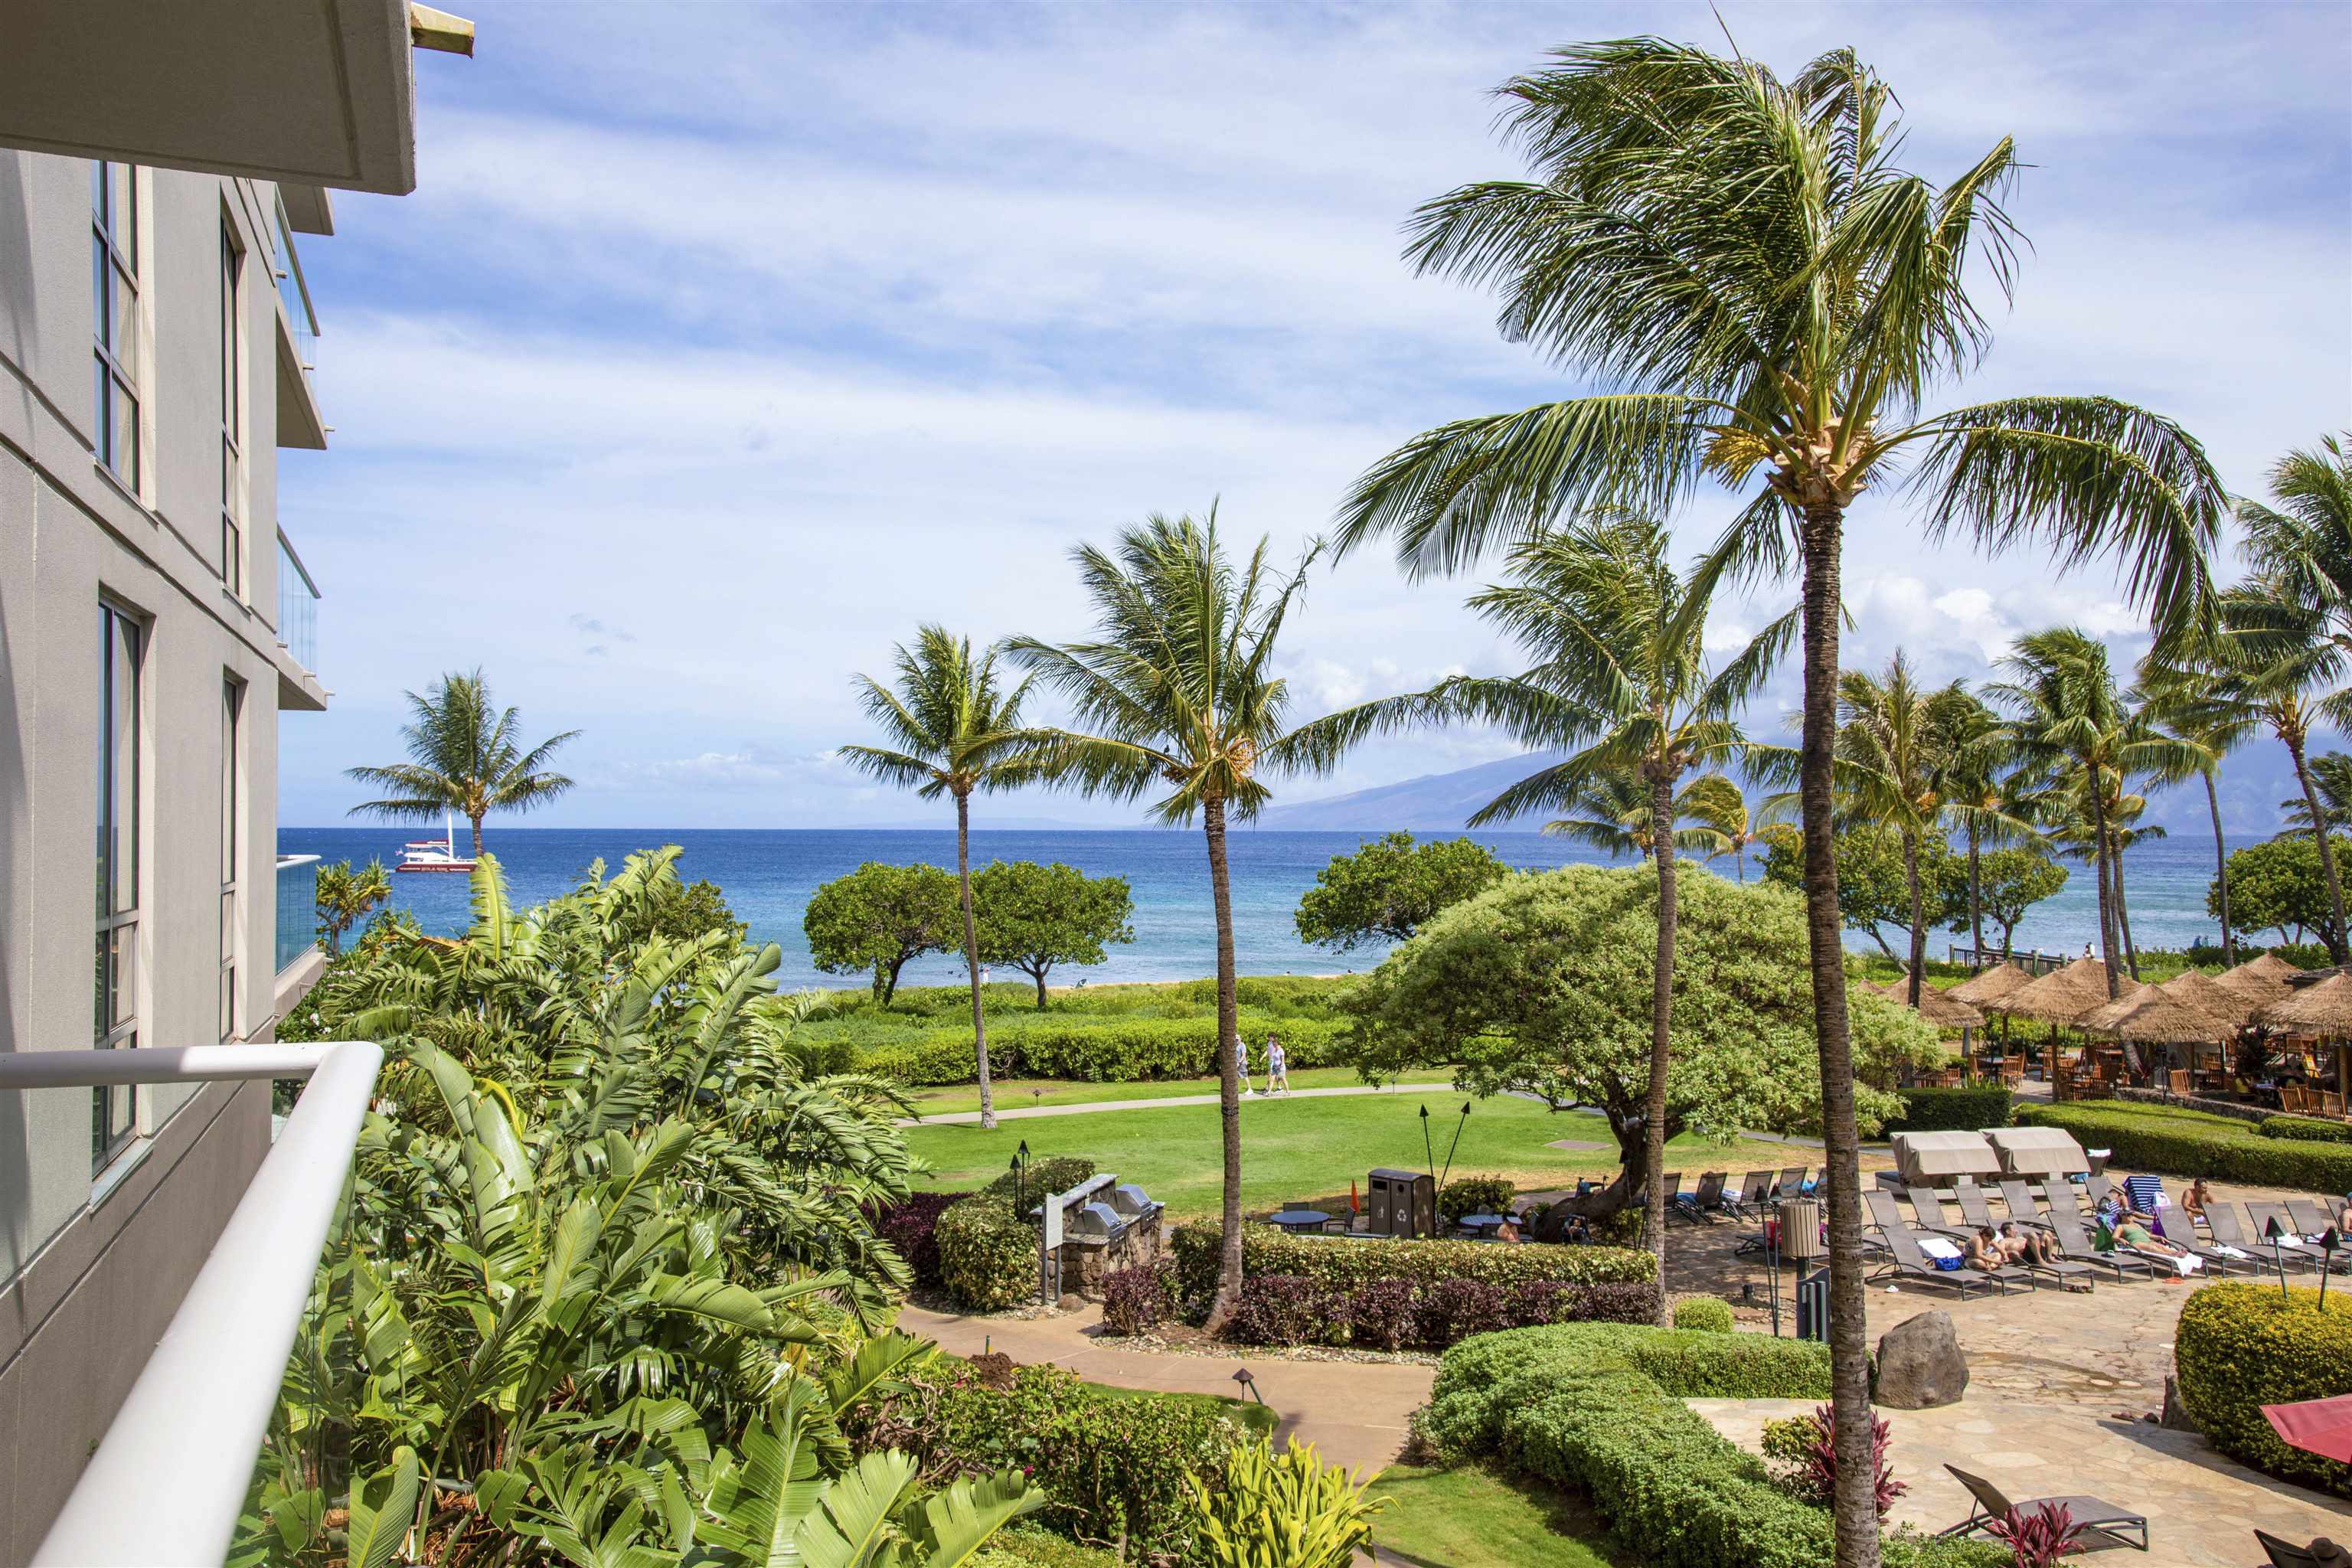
column 2324, row 1010
column 2199, row 990
column 1991, row 985
column 2063, row 996
column 2263, row 979
column 1937, row 1006
column 2149, row 1017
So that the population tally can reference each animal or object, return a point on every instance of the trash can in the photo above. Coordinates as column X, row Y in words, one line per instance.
column 1801, row 1228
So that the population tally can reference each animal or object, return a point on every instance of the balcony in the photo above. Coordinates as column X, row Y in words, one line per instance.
column 297, row 634
column 298, row 900
column 299, row 423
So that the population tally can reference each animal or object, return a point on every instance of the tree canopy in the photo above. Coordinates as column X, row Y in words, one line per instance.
column 1543, row 982
column 1874, row 894
column 1389, row 888
column 881, row 917
column 465, row 755
column 2279, row 884
column 2012, row 880
column 1033, row 917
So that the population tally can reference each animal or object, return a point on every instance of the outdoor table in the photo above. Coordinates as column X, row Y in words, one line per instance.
column 1302, row 1219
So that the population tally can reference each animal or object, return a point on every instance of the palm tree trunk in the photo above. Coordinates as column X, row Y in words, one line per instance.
column 2123, row 911
column 2220, row 869
column 1229, row 1083
column 2106, row 904
column 1918, row 914
column 478, row 836
column 2326, row 852
column 1855, row 1503
column 1975, row 901
column 972, row 960
column 1662, row 1007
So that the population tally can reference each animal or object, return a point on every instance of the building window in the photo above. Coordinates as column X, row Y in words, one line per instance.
column 114, row 287
column 123, row 650
column 232, row 927
column 232, row 402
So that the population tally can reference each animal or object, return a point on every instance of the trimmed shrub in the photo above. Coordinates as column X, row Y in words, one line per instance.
column 1348, row 1263
column 1703, row 1314
column 1135, row 1300
column 1382, row 1314
column 988, row 1256
column 2307, row 1129
column 1285, row 1310
column 2240, row 1347
column 1969, row 1109
column 2180, row 1143
column 1057, row 1173
column 910, row 1226
column 1475, row 1195
column 1451, row 1310
column 1095, row 1049
column 1026, row 1546
column 1583, row 1406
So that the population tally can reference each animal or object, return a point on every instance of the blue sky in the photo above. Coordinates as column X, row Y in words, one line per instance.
column 718, row 347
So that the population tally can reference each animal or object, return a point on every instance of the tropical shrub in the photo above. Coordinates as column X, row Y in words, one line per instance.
column 1703, row 1314
column 1968, row 1109
column 1287, row 1509
column 1800, row 1456
column 2039, row 1539
column 2181, row 1143
column 1475, row 1195
column 1286, row 1310
column 909, row 1226
column 611, row 1125
column 1027, row 1546
column 1110, row 1464
column 1348, row 1262
column 1093, row 1050
column 1135, row 1300
column 1381, row 1313
column 1599, row 1410
column 988, row 1254
column 2239, row 1347
column 2305, row 1128
column 1055, row 1173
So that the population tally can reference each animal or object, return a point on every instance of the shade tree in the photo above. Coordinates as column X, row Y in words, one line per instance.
column 1033, row 917
column 1390, row 886
column 881, row 918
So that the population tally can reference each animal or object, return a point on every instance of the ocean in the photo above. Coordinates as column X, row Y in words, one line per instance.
column 768, row 875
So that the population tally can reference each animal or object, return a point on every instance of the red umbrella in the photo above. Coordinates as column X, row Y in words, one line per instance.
column 2322, row 1427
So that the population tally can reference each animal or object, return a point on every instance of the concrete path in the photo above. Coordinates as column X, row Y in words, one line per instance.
column 1021, row 1112
column 1354, row 1412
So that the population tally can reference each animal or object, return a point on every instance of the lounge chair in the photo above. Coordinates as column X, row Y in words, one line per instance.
column 2075, row 1247
column 1972, row 1204
column 2221, row 1219
column 1935, row 1218
column 2287, row 1554
column 2259, row 1215
column 2308, row 1218
column 1708, row 1200
column 2176, row 1219
column 1971, row 1199
column 1903, row 1257
column 1792, row 1182
column 2021, row 1206
column 1755, row 1192
column 2097, row 1523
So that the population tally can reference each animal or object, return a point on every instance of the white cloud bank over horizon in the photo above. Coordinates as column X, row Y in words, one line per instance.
column 707, row 362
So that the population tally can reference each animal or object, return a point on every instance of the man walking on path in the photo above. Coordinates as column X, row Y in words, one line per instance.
column 1277, row 1067
column 1240, row 1062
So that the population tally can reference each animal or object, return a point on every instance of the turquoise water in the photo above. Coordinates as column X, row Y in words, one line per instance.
column 768, row 875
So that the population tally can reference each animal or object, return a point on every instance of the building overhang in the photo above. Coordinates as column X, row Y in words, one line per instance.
column 301, row 92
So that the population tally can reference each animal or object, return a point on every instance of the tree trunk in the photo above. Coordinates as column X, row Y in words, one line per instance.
column 477, row 835
column 1662, row 1007
column 2123, row 909
column 2220, row 869
column 971, row 962
column 2327, row 853
column 1739, row 862
column 2106, row 904
column 1229, row 1083
column 1919, row 916
column 1038, row 974
column 1855, row 1501
column 1975, row 901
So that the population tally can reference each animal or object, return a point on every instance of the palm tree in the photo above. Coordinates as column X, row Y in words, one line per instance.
column 1896, row 739
column 1177, row 693
column 2304, row 543
column 1980, row 791
column 1716, row 803
column 2331, row 778
column 463, row 756
column 1613, row 811
column 1764, row 294
column 2188, row 700
column 955, row 732
column 1620, row 672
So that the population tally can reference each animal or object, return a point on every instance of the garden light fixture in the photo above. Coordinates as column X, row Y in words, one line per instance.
column 2275, row 1234
column 2329, row 1242
column 1249, row 1383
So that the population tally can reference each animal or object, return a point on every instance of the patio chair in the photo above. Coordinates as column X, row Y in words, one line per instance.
column 2019, row 1198
column 2075, row 1247
column 2097, row 1523
column 1971, row 1199
column 1904, row 1259
column 1792, row 1182
column 2221, row 1219
column 2259, row 1216
column 1696, row 1206
column 2287, row 1554
column 1755, row 1192
column 2308, row 1218
column 1935, row 1218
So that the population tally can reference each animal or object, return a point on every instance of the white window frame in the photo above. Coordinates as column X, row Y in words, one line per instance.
column 118, row 243
column 233, row 423
column 232, row 894
column 119, row 1000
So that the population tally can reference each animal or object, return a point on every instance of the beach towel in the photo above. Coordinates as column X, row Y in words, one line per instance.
column 1945, row 1253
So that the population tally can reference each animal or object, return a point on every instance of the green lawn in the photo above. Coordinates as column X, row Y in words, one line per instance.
column 1022, row 1092
column 1475, row 1517
column 1309, row 1148
column 1254, row 1419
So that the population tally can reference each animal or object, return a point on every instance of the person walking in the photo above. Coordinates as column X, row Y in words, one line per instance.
column 1241, row 1063
column 1277, row 1067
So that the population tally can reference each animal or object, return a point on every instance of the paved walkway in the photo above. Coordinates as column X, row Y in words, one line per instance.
column 1354, row 1412
column 1021, row 1112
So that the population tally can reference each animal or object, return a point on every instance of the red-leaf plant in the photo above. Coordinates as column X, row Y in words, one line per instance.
column 1820, row 1460
column 2038, row 1539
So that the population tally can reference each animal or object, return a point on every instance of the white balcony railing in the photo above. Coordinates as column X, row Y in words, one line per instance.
column 166, row 1483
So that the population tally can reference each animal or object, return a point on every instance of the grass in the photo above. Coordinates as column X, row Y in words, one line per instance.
column 1256, row 1420
column 1473, row 1516
column 1310, row 1149
column 1015, row 1094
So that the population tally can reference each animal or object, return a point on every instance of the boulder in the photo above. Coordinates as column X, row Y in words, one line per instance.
column 1920, row 1365
column 2176, row 1415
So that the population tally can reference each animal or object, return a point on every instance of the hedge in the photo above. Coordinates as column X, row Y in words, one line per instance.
column 1346, row 1263
column 1026, row 1546
column 1097, row 1050
column 988, row 1254
column 2305, row 1129
column 1704, row 1314
column 2239, row 1347
column 1391, row 1314
column 1599, row 1408
column 1970, row 1108
column 2177, row 1143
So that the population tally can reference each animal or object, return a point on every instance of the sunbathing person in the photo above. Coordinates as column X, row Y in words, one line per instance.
column 1984, row 1251
column 2194, row 1200
column 2139, row 1238
column 2027, row 1247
